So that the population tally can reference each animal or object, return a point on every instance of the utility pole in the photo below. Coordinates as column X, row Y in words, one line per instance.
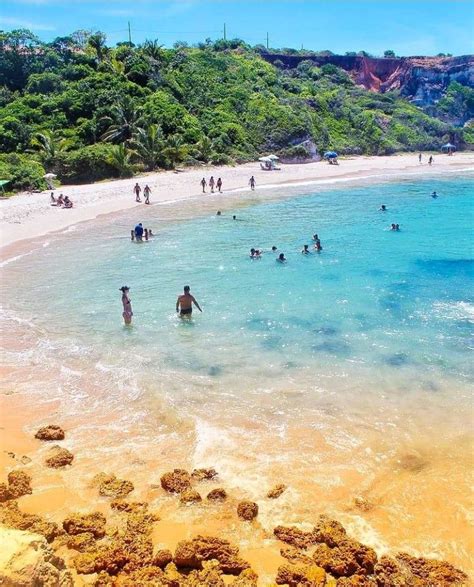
column 267, row 40
column 225, row 33
column 129, row 34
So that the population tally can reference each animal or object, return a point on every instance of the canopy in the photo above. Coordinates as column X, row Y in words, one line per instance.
column 49, row 176
column 273, row 157
column 330, row 155
column 4, row 182
column 448, row 146
column 266, row 159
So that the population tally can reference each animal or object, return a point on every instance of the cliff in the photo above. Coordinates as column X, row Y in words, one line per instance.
column 422, row 80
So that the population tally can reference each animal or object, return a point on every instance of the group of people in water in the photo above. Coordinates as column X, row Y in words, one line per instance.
column 137, row 190
column 61, row 201
column 139, row 233
column 257, row 253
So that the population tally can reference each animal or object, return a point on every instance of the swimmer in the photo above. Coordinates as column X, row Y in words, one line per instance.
column 305, row 250
column 397, row 227
column 218, row 213
column 252, row 253
column 317, row 246
column 234, row 217
column 383, row 208
column 127, row 305
column 139, row 232
column 281, row 258
column 315, row 237
column 184, row 303
column 274, row 249
column 150, row 233
column 393, row 226
column 258, row 253
column 434, row 195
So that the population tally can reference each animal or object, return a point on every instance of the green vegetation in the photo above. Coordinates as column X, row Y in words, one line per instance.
column 86, row 111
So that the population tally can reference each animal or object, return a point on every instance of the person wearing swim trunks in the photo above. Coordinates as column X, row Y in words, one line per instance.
column 203, row 184
column 219, row 185
column 127, row 305
column 252, row 183
column 146, row 193
column 305, row 250
column 184, row 303
column 136, row 190
column 139, row 231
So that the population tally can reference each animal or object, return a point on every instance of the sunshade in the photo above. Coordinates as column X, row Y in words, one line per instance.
column 448, row 146
column 330, row 154
column 49, row 176
column 273, row 157
column 4, row 182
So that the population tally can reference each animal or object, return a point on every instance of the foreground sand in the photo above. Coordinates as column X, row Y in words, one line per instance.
column 30, row 215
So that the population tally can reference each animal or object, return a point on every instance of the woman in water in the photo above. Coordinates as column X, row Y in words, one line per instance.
column 127, row 305
column 305, row 250
column 281, row 258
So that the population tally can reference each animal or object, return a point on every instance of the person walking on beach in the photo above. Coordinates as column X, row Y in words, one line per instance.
column 127, row 305
column 212, row 183
column 219, row 185
column 430, row 160
column 203, row 185
column 136, row 190
column 146, row 193
column 419, row 158
column 184, row 303
column 252, row 183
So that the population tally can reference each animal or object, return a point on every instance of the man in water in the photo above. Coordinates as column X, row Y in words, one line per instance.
column 281, row 258
column 305, row 250
column 434, row 195
column 184, row 303
column 146, row 193
column 383, row 208
column 274, row 249
column 203, row 184
column 252, row 183
column 139, row 231
column 136, row 190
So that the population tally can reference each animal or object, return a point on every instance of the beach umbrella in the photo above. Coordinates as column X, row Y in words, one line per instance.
column 2, row 183
column 273, row 157
column 449, row 146
column 330, row 155
column 49, row 176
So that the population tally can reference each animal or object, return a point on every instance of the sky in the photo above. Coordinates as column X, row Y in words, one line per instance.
column 408, row 27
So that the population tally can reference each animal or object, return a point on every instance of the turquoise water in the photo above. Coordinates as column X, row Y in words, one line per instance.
column 351, row 368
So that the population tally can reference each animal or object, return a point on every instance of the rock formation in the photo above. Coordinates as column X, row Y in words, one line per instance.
column 247, row 510
column 176, row 481
column 51, row 432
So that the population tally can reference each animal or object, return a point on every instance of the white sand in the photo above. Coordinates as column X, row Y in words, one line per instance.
column 27, row 216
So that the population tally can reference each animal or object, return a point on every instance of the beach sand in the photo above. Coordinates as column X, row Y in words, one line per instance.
column 58, row 493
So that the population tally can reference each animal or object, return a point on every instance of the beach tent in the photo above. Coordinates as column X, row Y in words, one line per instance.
column 2, row 183
column 268, row 163
column 330, row 155
column 448, row 147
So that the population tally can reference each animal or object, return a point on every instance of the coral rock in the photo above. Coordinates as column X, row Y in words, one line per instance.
column 294, row 536
column 162, row 558
column 363, row 504
column 247, row 510
column 348, row 558
column 129, row 506
column 12, row 517
column 51, row 432
column 329, row 531
column 192, row 553
column 276, row 491
column 203, row 474
column 26, row 559
column 247, row 578
column 176, row 481
column 79, row 523
column 217, row 494
column 294, row 556
column 4, row 493
column 145, row 577
column 190, row 496
column 301, row 576
column 210, row 576
column 19, row 483
column 60, row 457
column 81, row 542
column 357, row 581
column 110, row 486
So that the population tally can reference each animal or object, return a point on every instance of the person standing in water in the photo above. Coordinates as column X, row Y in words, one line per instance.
column 139, row 232
column 252, row 183
column 184, row 303
column 203, row 185
column 146, row 193
column 281, row 258
column 305, row 250
column 136, row 190
column 212, row 183
column 219, row 185
column 127, row 305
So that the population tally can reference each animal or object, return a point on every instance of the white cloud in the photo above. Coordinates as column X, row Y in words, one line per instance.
column 25, row 24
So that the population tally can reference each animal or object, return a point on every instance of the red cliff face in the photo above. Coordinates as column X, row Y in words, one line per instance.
column 421, row 79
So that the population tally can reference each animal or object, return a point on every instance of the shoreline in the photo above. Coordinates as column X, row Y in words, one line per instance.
column 28, row 216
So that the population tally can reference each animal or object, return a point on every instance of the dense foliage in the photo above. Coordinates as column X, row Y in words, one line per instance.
column 86, row 111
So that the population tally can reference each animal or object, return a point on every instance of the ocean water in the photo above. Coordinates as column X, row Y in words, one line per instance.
column 352, row 368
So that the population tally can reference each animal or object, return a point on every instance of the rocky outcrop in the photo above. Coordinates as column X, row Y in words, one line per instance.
column 80, row 523
column 59, row 457
column 110, row 486
column 301, row 576
column 26, row 559
column 408, row 570
column 247, row 510
column 276, row 491
column 203, row 474
column 19, row 483
column 12, row 517
column 51, row 432
column 176, row 481
column 218, row 494
column 190, row 496
column 193, row 553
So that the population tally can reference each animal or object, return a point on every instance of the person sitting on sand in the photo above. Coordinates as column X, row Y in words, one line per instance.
column 184, row 303
column 146, row 193
column 212, row 183
column 219, row 185
column 383, row 208
column 67, row 202
column 434, row 195
column 139, row 231
column 127, row 305
column 281, row 258
column 136, row 190
column 305, row 250
column 203, row 185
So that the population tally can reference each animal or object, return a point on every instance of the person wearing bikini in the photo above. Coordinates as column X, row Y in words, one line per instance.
column 127, row 305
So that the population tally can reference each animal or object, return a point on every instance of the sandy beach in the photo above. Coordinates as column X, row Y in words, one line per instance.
column 26, row 216
column 61, row 492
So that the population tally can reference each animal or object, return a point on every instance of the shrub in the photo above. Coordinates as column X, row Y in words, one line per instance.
column 23, row 172
column 87, row 164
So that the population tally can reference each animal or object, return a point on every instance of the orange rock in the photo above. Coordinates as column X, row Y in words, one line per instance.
column 217, row 494
column 294, row 536
column 4, row 493
column 162, row 558
column 190, row 496
column 12, row 517
column 19, row 483
column 192, row 553
column 60, row 457
column 128, row 506
column 110, row 486
column 203, row 474
column 176, row 481
column 81, row 542
column 247, row 510
column 348, row 558
column 301, row 576
column 276, row 491
column 51, row 432
column 79, row 523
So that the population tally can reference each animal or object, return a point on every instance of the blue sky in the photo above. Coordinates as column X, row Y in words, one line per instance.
column 409, row 27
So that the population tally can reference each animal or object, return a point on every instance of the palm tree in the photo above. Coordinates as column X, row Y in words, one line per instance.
column 97, row 43
column 121, row 158
column 175, row 150
column 48, row 145
column 149, row 145
column 205, row 149
column 124, row 122
column 152, row 49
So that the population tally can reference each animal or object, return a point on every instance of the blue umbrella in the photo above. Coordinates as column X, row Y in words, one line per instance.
column 448, row 146
column 330, row 155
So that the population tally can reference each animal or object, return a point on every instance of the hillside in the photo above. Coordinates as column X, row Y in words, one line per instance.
column 85, row 111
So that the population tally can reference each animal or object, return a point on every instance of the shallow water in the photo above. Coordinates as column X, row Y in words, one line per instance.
column 346, row 373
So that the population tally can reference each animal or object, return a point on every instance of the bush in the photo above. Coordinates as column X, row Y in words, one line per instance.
column 23, row 171
column 87, row 164
column 44, row 83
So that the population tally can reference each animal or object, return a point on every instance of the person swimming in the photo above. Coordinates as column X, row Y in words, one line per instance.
column 218, row 213
column 305, row 250
column 434, row 195
column 317, row 246
column 274, row 249
column 127, row 305
column 281, row 258
column 184, row 303
column 315, row 237
column 383, row 208
column 234, row 217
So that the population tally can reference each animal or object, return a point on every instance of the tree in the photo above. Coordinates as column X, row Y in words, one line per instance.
column 121, row 158
column 49, row 146
column 205, row 149
column 97, row 43
column 389, row 53
column 175, row 150
column 152, row 49
column 149, row 145
column 124, row 122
